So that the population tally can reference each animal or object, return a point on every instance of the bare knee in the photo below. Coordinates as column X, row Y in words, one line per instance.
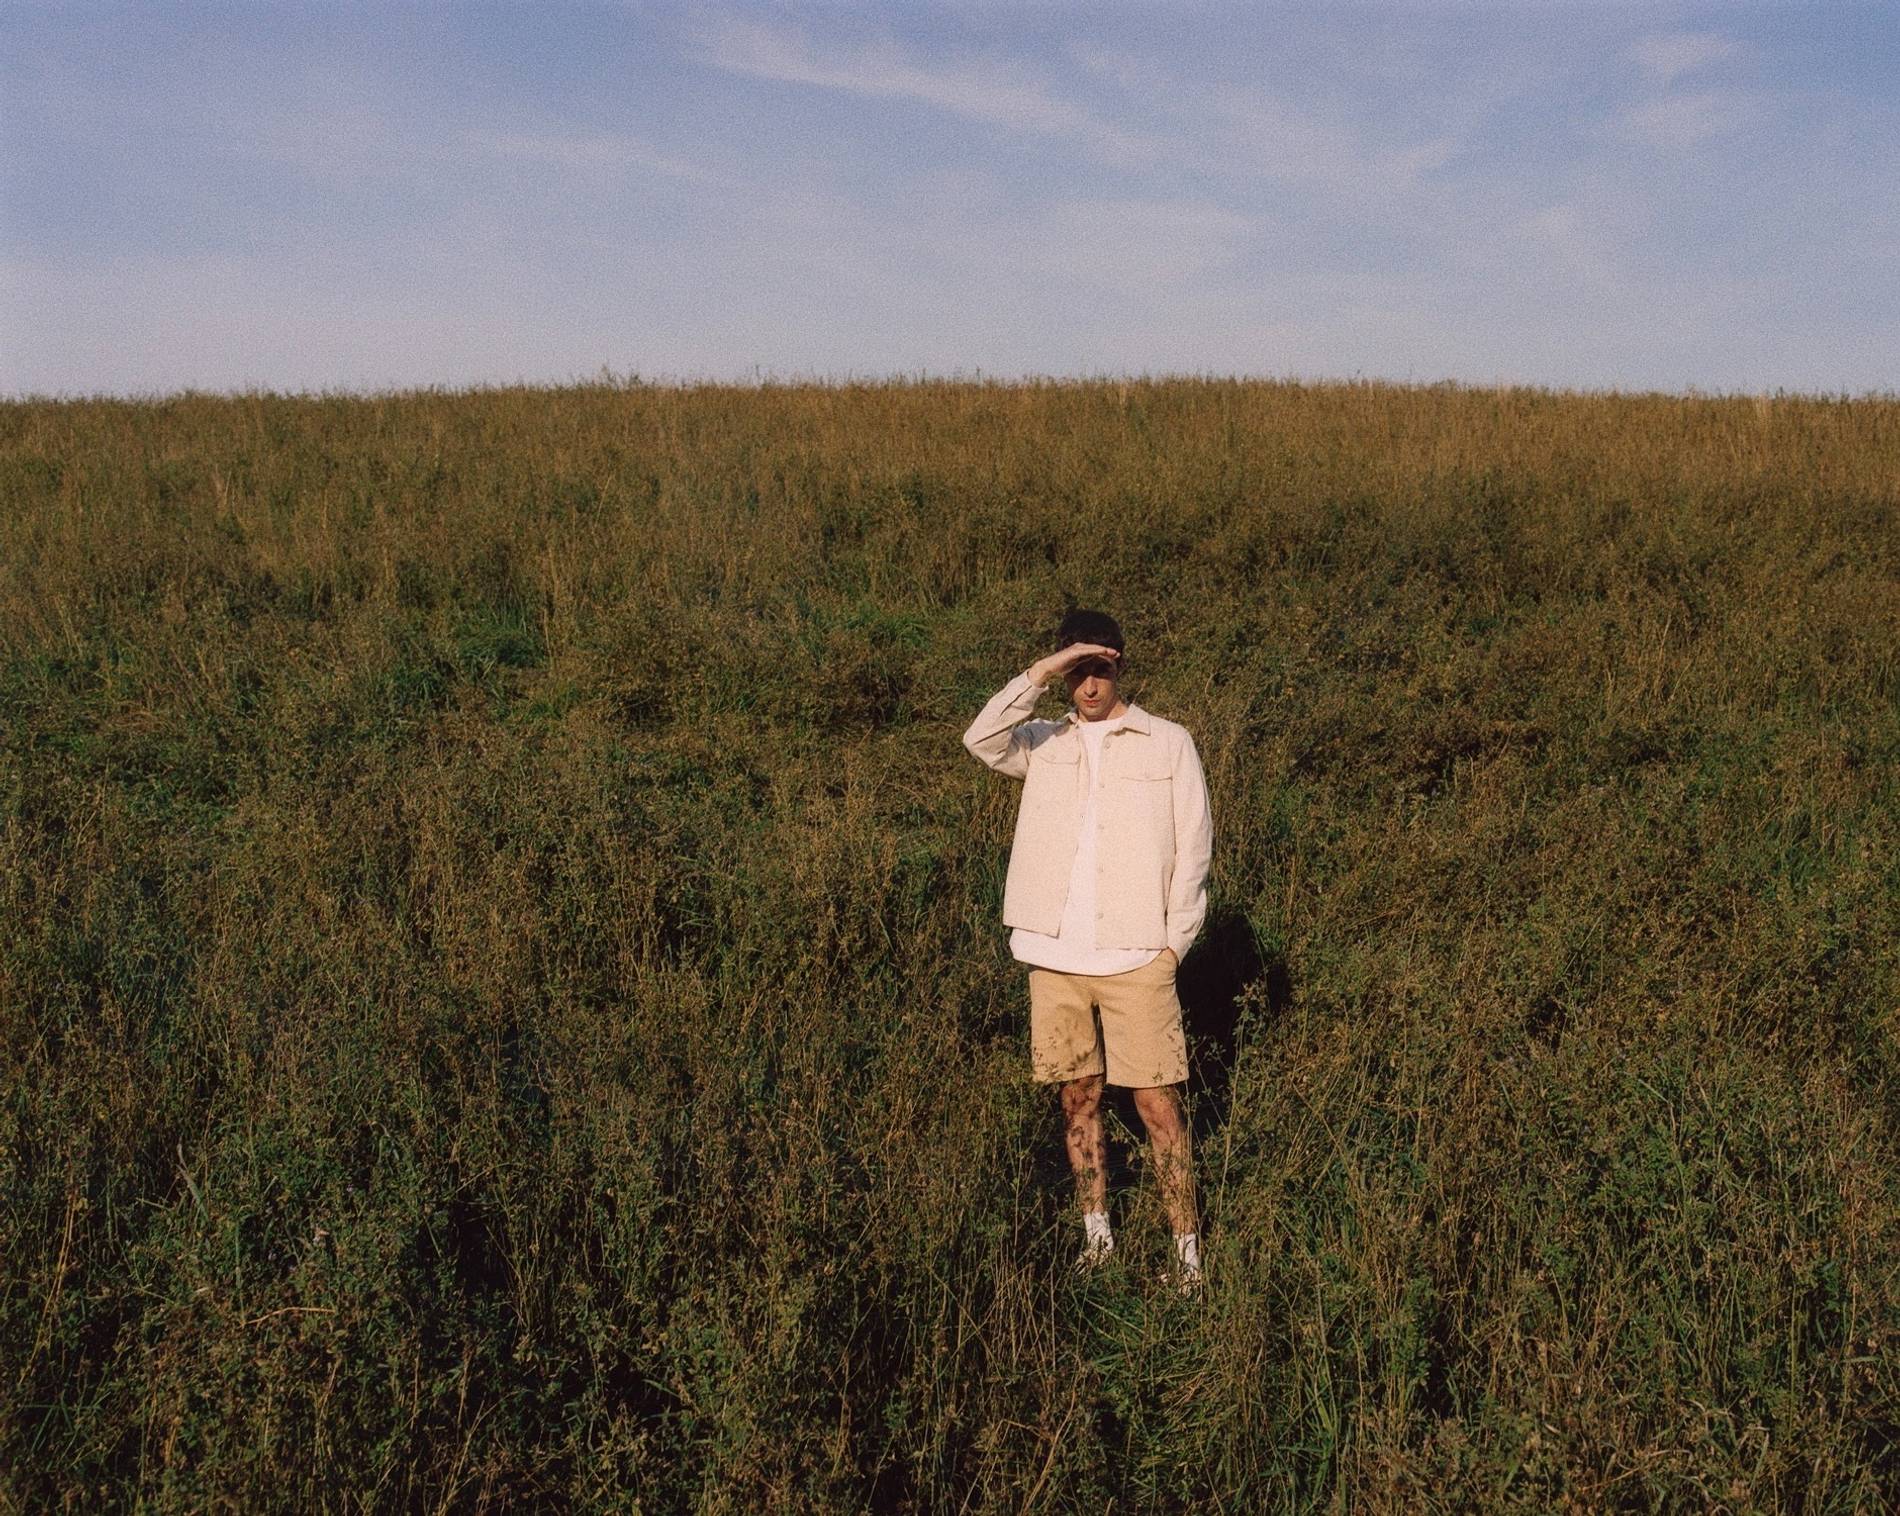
column 1082, row 1097
column 1160, row 1111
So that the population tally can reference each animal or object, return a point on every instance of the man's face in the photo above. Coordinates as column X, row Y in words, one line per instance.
column 1093, row 687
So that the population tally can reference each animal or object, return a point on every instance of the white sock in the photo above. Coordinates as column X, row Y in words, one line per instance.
column 1095, row 1223
column 1187, row 1246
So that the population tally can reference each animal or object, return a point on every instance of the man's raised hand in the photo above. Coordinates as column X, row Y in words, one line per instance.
column 1045, row 669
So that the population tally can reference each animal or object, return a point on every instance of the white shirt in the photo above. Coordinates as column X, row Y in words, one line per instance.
column 1072, row 950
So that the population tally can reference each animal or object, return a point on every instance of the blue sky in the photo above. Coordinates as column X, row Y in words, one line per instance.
column 1637, row 196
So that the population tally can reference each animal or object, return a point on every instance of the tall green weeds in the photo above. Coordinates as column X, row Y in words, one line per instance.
column 502, row 998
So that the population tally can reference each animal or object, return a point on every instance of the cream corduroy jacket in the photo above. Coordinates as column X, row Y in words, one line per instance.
column 1154, row 839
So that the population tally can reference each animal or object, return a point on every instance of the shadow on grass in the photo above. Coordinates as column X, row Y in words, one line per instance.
column 1214, row 984
column 1222, row 967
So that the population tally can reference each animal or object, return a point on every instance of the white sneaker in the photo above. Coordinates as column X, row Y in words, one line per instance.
column 1186, row 1280
column 1093, row 1256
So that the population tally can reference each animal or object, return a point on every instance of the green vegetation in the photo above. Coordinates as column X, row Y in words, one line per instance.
column 502, row 998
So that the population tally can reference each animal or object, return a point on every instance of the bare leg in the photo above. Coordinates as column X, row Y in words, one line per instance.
column 1172, row 1145
column 1088, row 1148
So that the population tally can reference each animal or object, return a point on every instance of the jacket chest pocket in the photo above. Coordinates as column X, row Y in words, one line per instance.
column 1056, row 757
column 1141, row 767
column 1053, row 769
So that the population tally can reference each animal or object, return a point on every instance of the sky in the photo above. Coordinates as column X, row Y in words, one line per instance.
column 386, row 195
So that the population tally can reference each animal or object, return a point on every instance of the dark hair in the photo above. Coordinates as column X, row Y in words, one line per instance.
column 1089, row 626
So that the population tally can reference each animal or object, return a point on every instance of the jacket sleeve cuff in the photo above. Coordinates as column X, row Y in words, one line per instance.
column 1019, row 697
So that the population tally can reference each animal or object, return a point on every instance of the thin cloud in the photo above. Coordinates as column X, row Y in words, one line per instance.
column 1137, row 245
column 1679, row 122
column 590, row 152
column 979, row 91
column 1666, row 56
column 1230, row 127
column 1564, row 233
column 1283, row 142
column 1132, row 71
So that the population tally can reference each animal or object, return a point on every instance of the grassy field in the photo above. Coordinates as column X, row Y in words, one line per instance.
column 502, row 998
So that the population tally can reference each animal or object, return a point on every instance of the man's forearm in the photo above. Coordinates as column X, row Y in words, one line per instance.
column 991, row 737
column 1184, row 926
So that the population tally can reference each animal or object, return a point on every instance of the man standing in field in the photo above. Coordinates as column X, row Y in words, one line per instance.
column 1107, row 887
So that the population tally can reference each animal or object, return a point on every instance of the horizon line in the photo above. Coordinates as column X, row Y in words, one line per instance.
column 761, row 381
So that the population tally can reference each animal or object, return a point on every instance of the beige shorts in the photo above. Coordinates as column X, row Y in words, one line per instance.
column 1137, row 1039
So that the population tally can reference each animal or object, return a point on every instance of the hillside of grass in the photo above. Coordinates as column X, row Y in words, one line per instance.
column 502, row 998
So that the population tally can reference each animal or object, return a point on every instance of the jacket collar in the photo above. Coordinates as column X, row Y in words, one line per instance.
column 1134, row 719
